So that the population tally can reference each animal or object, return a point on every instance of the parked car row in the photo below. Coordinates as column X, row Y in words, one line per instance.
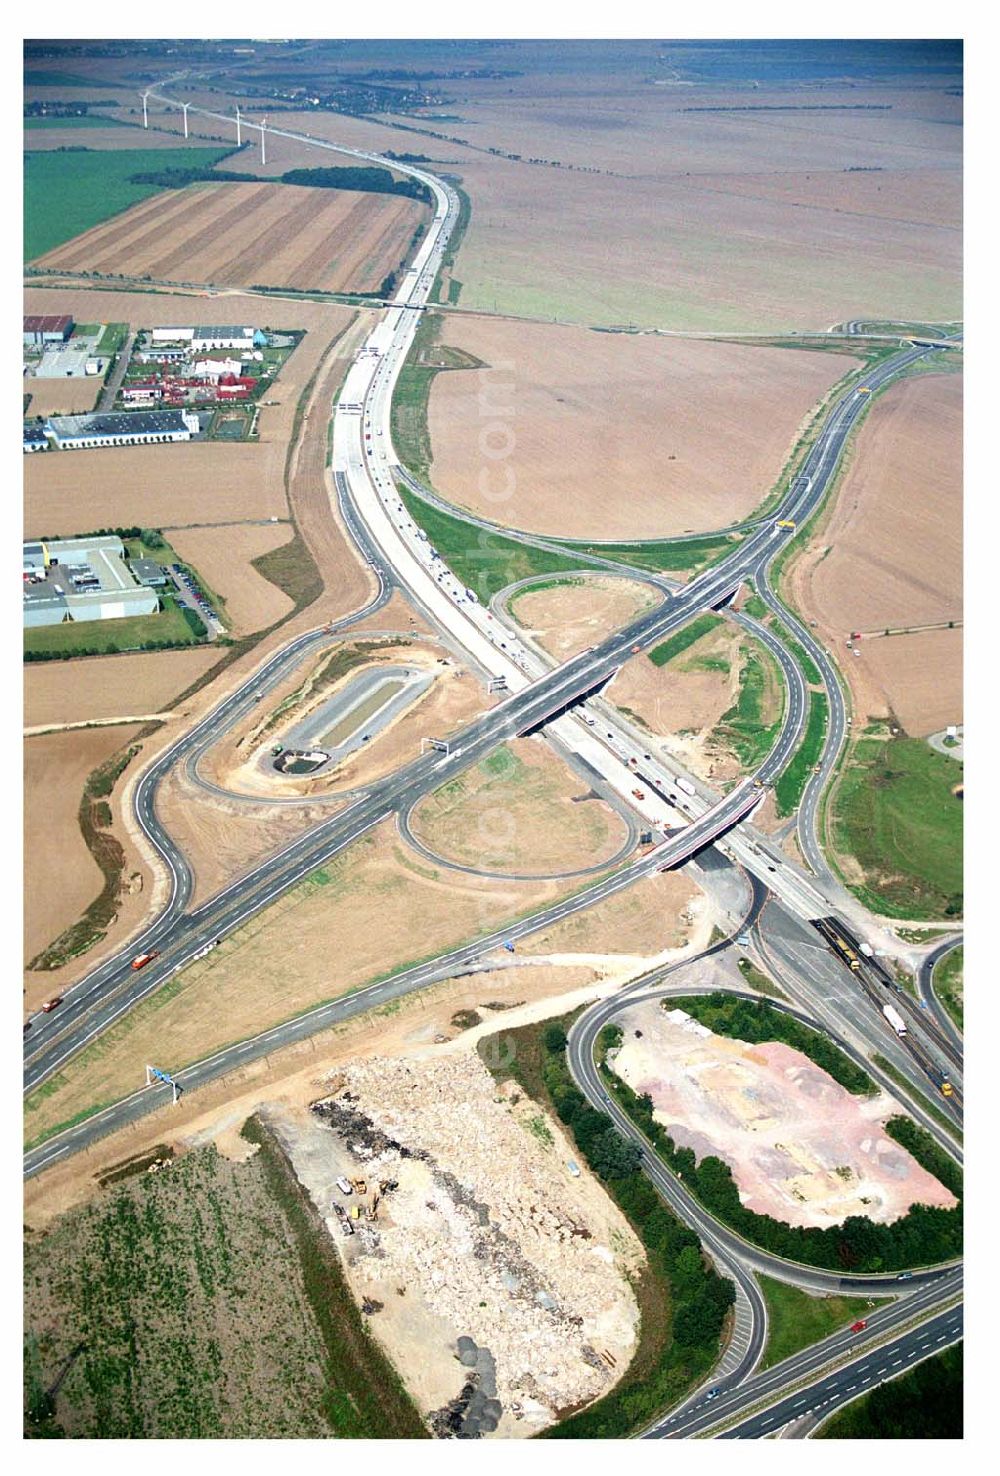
column 186, row 581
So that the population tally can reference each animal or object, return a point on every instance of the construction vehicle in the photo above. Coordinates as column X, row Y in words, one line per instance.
column 371, row 1213
column 360, row 1187
column 895, row 1019
column 142, row 959
column 344, row 1185
column 355, row 1212
column 784, row 523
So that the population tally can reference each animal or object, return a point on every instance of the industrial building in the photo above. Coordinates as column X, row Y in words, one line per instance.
column 35, row 438
column 201, row 339
column 141, row 427
column 40, row 329
column 81, row 579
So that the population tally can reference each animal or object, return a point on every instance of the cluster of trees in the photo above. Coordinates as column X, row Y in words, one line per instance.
column 371, row 178
column 925, row 1404
column 700, row 1297
column 924, row 1236
column 756, row 1021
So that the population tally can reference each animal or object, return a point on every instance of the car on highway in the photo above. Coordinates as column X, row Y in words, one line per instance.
column 859, row 1326
column 712, row 1394
column 51, row 1004
column 905, row 1276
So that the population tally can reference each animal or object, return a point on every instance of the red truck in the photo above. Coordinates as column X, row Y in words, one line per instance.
column 142, row 959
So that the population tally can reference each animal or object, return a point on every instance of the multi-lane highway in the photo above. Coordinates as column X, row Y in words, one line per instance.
column 537, row 697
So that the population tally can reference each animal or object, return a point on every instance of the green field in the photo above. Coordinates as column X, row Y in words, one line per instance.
column 87, row 120
column 65, row 194
column 672, row 647
column 948, row 984
column 201, row 1301
column 672, row 556
column 895, row 813
column 793, row 779
column 795, row 1319
column 924, row 1404
column 171, row 627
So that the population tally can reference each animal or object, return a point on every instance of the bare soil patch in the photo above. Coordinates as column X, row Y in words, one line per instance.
column 802, row 1149
column 241, row 235
column 323, row 939
column 223, row 556
column 890, row 557
column 617, row 436
column 491, row 1236
column 681, row 703
column 658, row 913
column 567, row 617
column 520, row 809
column 61, row 877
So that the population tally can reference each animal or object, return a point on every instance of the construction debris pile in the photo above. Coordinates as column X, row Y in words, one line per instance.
column 523, row 1266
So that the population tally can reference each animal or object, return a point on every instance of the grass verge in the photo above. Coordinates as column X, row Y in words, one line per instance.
column 796, row 1320
column 680, row 641
column 749, row 727
column 795, row 775
column 947, row 982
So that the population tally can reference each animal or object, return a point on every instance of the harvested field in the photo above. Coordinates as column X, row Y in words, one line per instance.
column 62, row 396
column 223, row 556
column 494, row 1241
column 98, row 1310
column 682, row 702
column 323, row 939
column 802, row 1149
column 519, row 810
column 890, row 557
column 109, row 686
column 242, row 235
column 566, row 616
column 680, row 203
column 61, row 877
column 617, row 436
column 108, row 137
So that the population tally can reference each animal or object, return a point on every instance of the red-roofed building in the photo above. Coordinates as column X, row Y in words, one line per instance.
column 42, row 328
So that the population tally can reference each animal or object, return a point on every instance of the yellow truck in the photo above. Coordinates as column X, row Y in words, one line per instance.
column 784, row 523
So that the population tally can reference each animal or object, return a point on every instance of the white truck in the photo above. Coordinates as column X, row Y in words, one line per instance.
column 895, row 1019
column 686, row 786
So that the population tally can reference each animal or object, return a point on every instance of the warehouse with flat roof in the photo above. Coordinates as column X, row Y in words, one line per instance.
column 136, row 428
column 81, row 579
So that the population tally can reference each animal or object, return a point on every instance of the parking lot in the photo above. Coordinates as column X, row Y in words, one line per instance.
column 188, row 592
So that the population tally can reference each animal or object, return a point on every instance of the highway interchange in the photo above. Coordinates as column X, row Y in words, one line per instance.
column 564, row 701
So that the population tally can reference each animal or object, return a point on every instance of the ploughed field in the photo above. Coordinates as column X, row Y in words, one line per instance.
column 243, row 235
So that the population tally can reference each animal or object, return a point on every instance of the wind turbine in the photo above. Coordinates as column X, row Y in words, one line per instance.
column 263, row 150
column 145, row 115
column 185, row 107
column 239, row 141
